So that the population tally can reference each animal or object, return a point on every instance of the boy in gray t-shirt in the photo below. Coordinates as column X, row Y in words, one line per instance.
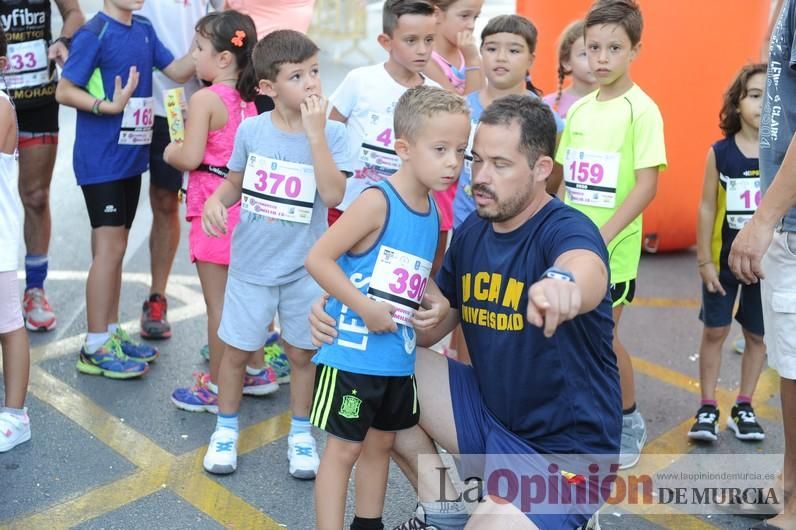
column 287, row 167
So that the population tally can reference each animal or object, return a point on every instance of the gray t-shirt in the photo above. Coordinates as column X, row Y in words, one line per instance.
column 267, row 251
column 778, row 120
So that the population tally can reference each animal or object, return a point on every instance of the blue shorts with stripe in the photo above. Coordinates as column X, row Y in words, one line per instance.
column 346, row 404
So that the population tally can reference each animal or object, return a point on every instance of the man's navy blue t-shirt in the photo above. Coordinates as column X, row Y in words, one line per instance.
column 102, row 49
column 560, row 394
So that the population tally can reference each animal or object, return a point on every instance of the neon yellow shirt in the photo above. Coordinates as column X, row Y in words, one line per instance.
column 603, row 144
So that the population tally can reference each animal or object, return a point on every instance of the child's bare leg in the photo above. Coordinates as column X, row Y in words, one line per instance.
column 213, row 278
column 331, row 485
column 302, row 380
column 108, row 244
column 754, row 357
column 230, row 379
column 371, row 473
column 16, row 366
column 710, row 360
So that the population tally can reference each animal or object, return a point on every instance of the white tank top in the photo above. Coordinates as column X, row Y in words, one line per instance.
column 10, row 209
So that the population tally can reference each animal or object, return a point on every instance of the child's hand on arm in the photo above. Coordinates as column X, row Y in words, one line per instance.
column 378, row 316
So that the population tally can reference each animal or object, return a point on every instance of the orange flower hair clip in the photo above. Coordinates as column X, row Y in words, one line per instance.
column 237, row 40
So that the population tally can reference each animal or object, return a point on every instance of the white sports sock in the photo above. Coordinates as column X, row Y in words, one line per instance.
column 94, row 341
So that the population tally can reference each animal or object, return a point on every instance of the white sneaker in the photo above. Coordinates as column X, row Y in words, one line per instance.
column 302, row 456
column 222, row 452
column 634, row 435
column 14, row 430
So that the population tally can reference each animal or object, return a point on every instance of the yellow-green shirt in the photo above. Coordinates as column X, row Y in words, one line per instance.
column 602, row 146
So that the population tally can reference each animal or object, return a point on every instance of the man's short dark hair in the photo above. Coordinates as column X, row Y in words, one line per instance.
column 395, row 9
column 281, row 47
column 625, row 13
column 537, row 125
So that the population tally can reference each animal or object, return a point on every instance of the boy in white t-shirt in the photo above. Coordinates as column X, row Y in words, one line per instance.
column 366, row 98
column 174, row 22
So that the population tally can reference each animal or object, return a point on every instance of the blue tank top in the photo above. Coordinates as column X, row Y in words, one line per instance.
column 393, row 268
column 737, row 197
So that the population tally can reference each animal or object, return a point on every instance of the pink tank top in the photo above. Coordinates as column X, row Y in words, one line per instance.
column 455, row 75
column 202, row 184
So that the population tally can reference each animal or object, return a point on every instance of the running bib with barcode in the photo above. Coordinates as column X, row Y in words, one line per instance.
column 279, row 189
column 591, row 176
column 377, row 153
column 137, row 122
column 400, row 279
column 743, row 198
column 28, row 65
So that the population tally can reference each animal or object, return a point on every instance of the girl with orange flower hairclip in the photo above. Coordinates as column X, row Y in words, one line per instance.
column 222, row 55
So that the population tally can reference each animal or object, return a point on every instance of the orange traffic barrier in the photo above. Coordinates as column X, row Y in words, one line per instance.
column 691, row 51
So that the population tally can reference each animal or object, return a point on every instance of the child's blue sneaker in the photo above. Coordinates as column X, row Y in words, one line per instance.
column 135, row 350
column 110, row 361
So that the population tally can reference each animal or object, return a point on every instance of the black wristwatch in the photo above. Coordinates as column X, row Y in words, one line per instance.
column 66, row 40
column 557, row 273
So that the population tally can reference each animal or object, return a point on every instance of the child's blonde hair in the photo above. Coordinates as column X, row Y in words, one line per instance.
column 424, row 102
column 571, row 33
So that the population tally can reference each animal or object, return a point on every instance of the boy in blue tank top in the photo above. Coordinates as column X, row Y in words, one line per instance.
column 375, row 261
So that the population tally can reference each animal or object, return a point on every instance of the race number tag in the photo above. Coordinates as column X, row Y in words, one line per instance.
column 590, row 177
column 743, row 198
column 400, row 279
column 279, row 189
column 27, row 64
column 377, row 154
column 137, row 122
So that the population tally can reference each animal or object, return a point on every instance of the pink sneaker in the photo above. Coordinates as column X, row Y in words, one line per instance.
column 36, row 309
column 261, row 384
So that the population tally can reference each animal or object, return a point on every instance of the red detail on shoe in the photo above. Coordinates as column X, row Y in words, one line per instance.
column 7, row 434
column 157, row 306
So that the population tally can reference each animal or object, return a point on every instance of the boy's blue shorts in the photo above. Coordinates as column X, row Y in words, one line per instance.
column 717, row 309
column 498, row 452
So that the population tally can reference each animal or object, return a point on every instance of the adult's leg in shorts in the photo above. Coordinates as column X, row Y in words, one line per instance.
column 779, row 298
column 164, row 185
column 36, row 164
column 436, row 424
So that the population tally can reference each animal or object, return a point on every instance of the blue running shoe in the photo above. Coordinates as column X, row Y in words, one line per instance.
column 134, row 350
column 276, row 359
column 110, row 361
column 198, row 398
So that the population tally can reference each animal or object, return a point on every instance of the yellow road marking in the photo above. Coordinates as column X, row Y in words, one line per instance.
column 667, row 302
column 96, row 502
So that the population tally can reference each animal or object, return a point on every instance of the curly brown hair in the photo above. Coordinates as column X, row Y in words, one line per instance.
column 729, row 118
